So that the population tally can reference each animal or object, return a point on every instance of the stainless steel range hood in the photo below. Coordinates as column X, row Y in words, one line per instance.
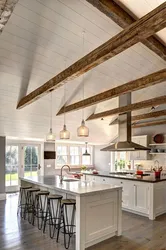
column 124, row 141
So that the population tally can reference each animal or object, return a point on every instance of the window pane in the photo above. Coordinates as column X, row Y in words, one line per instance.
column 61, row 150
column 74, row 160
column 61, row 160
column 86, row 160
column 74, row 150
column 28, row 154
column 34, row 155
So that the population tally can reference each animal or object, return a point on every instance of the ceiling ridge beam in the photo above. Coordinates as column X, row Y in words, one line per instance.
column 134, row 33
column 131, row 107
column 140, row 83
column 121, row 17
column 147, row 124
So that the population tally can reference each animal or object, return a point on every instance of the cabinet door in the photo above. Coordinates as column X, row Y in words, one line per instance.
column 127, row 189
column 141, row 197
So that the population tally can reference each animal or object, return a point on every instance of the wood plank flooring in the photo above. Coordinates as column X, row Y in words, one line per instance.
column 139, row 233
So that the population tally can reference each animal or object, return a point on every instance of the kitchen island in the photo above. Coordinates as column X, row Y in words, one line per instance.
column 98, row 206
column 141, row 195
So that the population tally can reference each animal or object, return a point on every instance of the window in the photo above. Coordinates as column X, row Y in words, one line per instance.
column 86, row 159
column 61, row 155
column 74, row 156
column 119, row 161
column 11, row 177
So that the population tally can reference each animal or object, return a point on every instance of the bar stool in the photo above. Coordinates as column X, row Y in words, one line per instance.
column 52, row 214
column 64, row 222
column 22, row 200
column 39, row 209
column 29, row 205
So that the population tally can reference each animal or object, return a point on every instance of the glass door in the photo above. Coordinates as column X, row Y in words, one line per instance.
column 12, row 163
column 31, row 160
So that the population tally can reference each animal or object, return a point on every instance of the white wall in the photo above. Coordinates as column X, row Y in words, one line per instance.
column 101, row 159
column 49, row 164
column 2, row 164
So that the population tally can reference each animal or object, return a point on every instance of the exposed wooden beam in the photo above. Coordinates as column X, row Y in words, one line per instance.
column 143, row 116
column 134, row 33
column 151, row 123
column 131, row 107
column 6, row 9
column 149, row 115
column 134, row 85
column 124, row 19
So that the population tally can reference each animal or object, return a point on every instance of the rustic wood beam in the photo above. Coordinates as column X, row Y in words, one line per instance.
column 143, row 116
column 134, row 85
column 124, row 19
column 131, row 107
column 151, row 123
column 134, row 33
column 6, row 9
column 149, row 115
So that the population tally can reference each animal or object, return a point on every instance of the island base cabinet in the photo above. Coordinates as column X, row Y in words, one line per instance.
column 144, row 198
column 141, row 197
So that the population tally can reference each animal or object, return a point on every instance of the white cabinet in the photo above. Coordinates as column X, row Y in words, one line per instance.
column 141, row 197
column 140, row 155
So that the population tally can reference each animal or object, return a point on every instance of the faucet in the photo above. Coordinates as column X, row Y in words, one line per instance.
column 61, row 177
column 157, row 163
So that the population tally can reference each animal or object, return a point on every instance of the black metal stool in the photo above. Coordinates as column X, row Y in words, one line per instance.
column 64, row 223
column 29, row 205
column 22, row 200
column 52, row 214
column 39, row 209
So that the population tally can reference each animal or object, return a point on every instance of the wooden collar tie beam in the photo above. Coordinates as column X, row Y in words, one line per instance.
column 134, row 33
column 131, row 107
column 134, row 85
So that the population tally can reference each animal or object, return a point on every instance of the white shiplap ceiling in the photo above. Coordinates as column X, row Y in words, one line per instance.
column 33, row 46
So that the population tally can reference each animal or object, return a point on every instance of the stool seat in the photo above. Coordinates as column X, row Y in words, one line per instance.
column 55, row 196
column 27, row 187
column 68, row 201
column 34, row 190
column 42, row 193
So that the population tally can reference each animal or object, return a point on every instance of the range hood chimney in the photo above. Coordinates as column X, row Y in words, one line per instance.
column 124, row 141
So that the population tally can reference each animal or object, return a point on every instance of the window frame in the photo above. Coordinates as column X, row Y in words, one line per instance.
column 80, row 146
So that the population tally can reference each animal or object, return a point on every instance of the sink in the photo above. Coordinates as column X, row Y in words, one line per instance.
column 70, row 180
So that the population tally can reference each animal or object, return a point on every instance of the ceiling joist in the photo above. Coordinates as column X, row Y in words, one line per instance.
column 124, row 19
column 147, row 124
column 131, row 107
column 134, row 33
column 134, row 85
column 143, row 116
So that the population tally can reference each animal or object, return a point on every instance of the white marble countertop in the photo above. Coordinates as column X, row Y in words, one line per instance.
column 74, row 188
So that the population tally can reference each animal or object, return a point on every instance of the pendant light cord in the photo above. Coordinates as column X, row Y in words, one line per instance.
column 83, row 85
column 51, row 111
column 64, row 110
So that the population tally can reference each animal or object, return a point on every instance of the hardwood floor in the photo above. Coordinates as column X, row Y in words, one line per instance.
column 138, row 233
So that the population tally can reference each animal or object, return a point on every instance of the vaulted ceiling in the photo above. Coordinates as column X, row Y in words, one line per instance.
column 39, row 36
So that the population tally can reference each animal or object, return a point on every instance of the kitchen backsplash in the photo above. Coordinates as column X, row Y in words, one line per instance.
column 148, row 164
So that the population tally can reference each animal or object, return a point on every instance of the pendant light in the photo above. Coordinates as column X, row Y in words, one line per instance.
column 50, row 136
column 86, row 150
column 83, row 131
column 64, row 133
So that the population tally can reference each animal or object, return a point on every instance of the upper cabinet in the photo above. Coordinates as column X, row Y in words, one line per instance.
column 140, row 155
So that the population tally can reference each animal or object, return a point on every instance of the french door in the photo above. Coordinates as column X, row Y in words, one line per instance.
column 31, row 160
column 12, row 168
column 21, row 160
